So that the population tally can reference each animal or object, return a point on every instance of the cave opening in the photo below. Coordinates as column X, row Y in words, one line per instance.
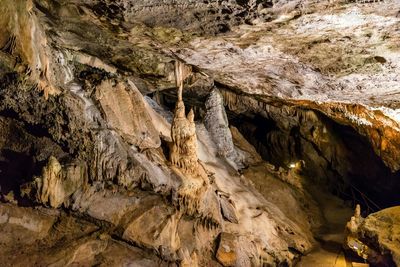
column 343, row 162
column 335, row 156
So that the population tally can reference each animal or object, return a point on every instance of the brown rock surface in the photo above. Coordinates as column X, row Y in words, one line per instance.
column 281, row 94
column 155, row 228
column 125, row 111
column 226, row 253
column 23, row 224
column 381, row 232
column 57, row 183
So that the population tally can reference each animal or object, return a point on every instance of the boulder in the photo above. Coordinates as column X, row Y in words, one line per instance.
column 23, row 224
column 381, row 232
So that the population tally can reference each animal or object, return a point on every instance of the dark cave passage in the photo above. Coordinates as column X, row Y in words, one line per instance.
column 16, row 168
column 344, row 161
column 335, row 156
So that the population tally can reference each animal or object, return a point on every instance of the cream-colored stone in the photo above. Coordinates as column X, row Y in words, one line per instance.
column 23, row 223
column 188, row 260
column 57, row 183
column 383, row 229
column 155, row 228
column 125, row 111
column 183, row 152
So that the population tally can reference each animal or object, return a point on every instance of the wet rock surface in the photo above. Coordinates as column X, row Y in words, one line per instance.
column 185, row 133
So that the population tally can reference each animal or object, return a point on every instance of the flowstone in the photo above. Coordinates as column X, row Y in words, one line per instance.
column 57, row 183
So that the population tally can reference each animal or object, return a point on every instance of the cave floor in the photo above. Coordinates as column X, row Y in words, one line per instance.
column 329, row 251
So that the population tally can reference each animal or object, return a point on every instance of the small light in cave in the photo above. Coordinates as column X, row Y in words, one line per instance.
column 292, row 165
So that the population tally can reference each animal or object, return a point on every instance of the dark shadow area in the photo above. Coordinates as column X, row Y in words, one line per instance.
column 15, row 168
column 168, row 98
column 165, row 146
column 375, row 260
column 369, row 177
column 344, row 161
column 330, row 246
column 24, row 151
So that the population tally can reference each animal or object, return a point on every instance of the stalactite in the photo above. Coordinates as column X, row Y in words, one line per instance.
column 241, row 103
column 182, row 72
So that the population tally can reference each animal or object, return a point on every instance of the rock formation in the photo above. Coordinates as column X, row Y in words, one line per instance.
column 123, row 108
column 226, row 253
column 183, row 129
column 101, row 165
column 195, row 195
column 183, row 133
column 374, row 238
column 57, row 183
column 352, row 242
column 216, row 122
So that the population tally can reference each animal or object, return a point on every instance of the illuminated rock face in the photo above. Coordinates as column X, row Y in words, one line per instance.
column 377, row 236
column 183, row 129
column 227, row 247
column 183, row 134
column 124, row 110
column 57, row 183
column 315, row 62
column 216, row 122
column 117, row 176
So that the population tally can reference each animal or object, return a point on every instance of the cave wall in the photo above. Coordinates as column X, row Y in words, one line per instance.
column 72, row 112
column 333, row 154
column 23, row 153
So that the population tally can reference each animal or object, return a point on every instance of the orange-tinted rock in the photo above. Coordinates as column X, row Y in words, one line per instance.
column 226, row 253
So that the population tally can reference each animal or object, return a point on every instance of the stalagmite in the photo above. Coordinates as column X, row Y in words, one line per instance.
column 188, row 260
column 352, row 240
column 216, row 122
column 355, row 220
column 193, row 197
column 57, row 183
column 50, row 183
column 183, row 129
column 357, row 214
